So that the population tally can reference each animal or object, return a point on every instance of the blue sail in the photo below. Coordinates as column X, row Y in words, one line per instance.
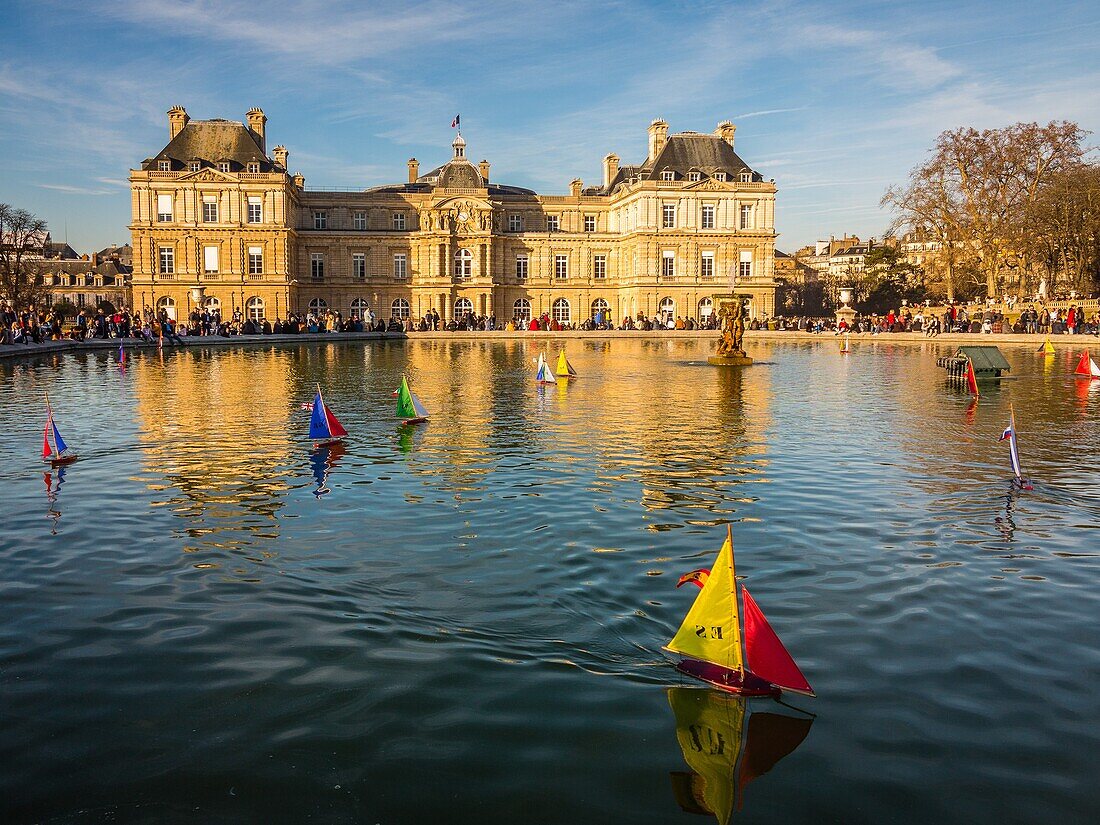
column 58, row 441
column 318, row 422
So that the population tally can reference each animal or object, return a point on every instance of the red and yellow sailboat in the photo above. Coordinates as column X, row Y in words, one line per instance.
column 710, row 638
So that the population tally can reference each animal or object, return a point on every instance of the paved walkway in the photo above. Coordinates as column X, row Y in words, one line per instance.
column 953, row 339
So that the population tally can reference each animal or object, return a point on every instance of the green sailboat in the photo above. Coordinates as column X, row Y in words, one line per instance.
column 409, row 408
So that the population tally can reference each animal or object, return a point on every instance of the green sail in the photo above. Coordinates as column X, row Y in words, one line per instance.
column 405, row 408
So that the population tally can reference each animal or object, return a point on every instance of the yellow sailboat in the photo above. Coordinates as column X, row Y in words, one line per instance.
column 564, row 368
column 1047, row 348
column 710, row 637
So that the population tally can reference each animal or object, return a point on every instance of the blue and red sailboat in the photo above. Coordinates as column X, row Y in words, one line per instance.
column 324, row 427
column 1009, row 435
column 58, row 453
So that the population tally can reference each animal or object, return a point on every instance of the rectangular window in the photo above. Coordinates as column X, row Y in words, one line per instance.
column 320, row 219
column 515, row 223
column 209, row 209
column 745, row 268
column 209, row 259
column 359, row 266
column 668, row 216
column 720, row 176
column 255, row 210
column 589, row 223
column 561, row 267
column 255, row 260
column 668, row 264
column 167, row 260
column 666, row 176
column 193, row 166
column 706, row 218
column 599, row 267
column 223, row 167
column 746, row 177
column 164, row 208
column 746, row 216
column 693, row 176
column 521, row 268
column 254, row 168
column 164, row 165
column 399, row 221
column 552, row 223
column 317, row 266
column 359, row 220
column 706, row 265
column 400, row 267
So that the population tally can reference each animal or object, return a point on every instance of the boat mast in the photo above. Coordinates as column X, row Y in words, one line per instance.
column 733, row 597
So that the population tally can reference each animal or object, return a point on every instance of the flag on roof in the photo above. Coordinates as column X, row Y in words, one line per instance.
column 454, row 123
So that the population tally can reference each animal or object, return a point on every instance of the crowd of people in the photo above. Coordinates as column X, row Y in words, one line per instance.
column 33, row 325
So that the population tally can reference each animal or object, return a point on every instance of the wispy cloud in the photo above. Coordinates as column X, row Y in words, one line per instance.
column 763, row 112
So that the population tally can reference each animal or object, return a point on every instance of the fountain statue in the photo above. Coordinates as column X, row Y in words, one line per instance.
column 730, row 352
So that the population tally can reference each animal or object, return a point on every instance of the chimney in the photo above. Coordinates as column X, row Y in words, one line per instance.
column 610, row 169
column 299, row 180
column 575, row 187
column 414, row 170
column 281, row 155
column 256, row 122
column 658, row 137
column 725, row 131
column 483, row 168
column 177, row 119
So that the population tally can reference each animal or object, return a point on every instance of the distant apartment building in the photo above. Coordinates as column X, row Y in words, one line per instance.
column 217, row 218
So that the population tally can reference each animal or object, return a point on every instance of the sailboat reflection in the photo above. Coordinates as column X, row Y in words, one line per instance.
column 52, row 491
column 323, row 459
column 723, row 756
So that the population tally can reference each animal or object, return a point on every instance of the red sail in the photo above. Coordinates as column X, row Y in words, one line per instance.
column 766, row 655
column 335, row 428
column 1083, row 365
column 46, row 451
column 971, row 379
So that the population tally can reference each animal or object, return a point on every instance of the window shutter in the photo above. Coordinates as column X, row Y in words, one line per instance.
column 164, row 204
column 210, row 258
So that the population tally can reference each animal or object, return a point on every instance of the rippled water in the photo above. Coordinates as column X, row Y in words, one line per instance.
column 465, row 624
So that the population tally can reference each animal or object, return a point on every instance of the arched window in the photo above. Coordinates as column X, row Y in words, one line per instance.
column 706, row 308
column 464, row 264
column 168, row 305
column 399, row 309
column 212, row 303
column 359, row 308
column 599, row 305
column 667, row 308
column 560, row 311
column 254, row 308
column 463, row 307
column 318, row 305
column 521, row 309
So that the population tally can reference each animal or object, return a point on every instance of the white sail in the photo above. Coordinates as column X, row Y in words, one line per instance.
column 420, row 408
column 544, row 375
column 1094, row 369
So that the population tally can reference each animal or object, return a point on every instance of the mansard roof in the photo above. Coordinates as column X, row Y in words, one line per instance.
column 687, row 152
column 213, row 141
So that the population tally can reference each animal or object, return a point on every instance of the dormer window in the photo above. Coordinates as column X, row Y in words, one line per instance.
column 164, row 165
column 694, row 176
column 667, row 176
column 253, row 168
column 746, row 177
column 223, row 166
column 720, row 176
column 193, row 166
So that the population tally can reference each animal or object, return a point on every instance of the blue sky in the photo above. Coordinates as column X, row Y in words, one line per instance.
column 835, row 101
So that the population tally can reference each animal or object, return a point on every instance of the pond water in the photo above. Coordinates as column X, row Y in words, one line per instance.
column 203, row 619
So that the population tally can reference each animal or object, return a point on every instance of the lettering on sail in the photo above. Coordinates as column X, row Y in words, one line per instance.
column 715, row 632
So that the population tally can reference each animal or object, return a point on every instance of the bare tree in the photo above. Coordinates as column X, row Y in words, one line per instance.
column 977, row 190
column 22, row 236
column 1066, row 221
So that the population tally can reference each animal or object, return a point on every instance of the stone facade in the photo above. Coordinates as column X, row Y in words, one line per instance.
column 217, row 219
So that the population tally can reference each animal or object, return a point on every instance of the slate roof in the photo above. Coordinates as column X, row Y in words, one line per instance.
column 457, row 172
column 212, row 142
column 683, row 153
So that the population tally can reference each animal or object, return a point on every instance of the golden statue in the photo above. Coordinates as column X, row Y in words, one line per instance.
column 730, row 352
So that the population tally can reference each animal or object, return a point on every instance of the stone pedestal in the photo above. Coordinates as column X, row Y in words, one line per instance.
column 845, row 313
column 729, row 360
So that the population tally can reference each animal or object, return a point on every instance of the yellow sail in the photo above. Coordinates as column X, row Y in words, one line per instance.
column 709, row 727
column 712, row 630
column 564, row 369
column 1048, row 348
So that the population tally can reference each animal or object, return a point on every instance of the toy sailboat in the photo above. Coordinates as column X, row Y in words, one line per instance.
column 60, row 452
column 1087, row 367
column 543, row 373
column 971, row 379
column 564, row 368
column 1013, row 451
column 1047, row 348
column 846, row 346
column 710, row 638
column 724, row 753
column 323, row 425
column 409, row 408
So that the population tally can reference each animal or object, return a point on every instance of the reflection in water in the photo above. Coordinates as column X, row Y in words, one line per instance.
column 723, row 757
column 52, row 491
column 1006, row 524
column 323, row 459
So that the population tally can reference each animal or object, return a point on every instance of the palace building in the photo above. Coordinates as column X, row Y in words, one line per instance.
column 219, row 220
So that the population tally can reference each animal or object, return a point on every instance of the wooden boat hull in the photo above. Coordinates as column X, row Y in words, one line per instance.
column 60, row 460
column 421, row 420
column 731, row 681
column 326, row 442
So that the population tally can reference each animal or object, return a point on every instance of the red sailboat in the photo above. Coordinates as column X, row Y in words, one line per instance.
column 59, row 452
column 710, row 637
column 1087, row 367
column 324, row 427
